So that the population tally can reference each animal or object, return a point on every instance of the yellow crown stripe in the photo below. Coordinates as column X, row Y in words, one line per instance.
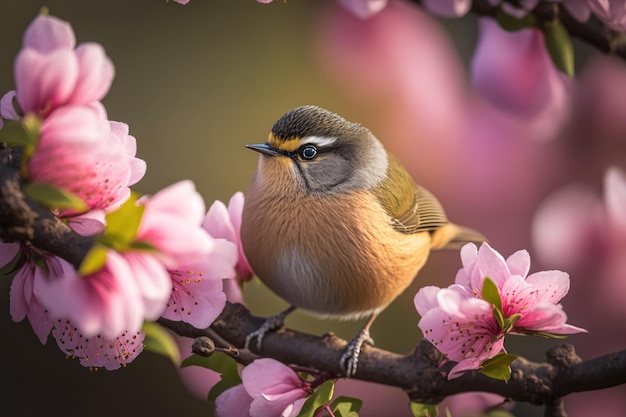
column 288, row 145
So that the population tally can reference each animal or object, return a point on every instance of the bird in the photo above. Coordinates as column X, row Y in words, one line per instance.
column 335, row 225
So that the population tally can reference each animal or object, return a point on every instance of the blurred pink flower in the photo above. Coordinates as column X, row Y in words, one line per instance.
column 364, row 8
column 448, row 8
column 579, row 9
column 107, row 302
column 473, row 404
column 611, row 12
column 225, row 223
column 24, row 300
column 96, row 352
column 577, row 229
column 50, row 72
column 462, row 325
column 275, row 389
column 234, row 401
column 514, row 72
column 182, row 1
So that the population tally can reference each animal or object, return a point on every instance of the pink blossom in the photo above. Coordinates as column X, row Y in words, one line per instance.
column 182, row 1
column 50, row 72
column 611, row 12
column 462, row 325
column 172, row 223
column 197, row 295
column 275, row 389
column 222, row 222
column 107, row 302
column 579, row 9
column 448, row 8
column 364, row 8
column 24, row 300
column 95, row 352
column 83, row 153
column 576, row 228
column 514, row 72
column 234, row 401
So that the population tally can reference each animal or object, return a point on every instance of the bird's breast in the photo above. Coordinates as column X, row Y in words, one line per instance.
column 334, row 255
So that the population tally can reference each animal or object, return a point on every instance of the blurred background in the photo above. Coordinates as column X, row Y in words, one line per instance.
column 196, row 83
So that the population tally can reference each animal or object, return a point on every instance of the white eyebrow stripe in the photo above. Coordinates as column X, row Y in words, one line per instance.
column 318, row 140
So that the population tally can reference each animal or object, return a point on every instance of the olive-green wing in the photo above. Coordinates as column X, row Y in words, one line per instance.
column 412, row 208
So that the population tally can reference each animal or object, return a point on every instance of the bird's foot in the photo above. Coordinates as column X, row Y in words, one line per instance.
column 272, row 323
column 350, row 358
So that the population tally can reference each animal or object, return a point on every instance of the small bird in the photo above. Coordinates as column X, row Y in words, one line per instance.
column 335, row 225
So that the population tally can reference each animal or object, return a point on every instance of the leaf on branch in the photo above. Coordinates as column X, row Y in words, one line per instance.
column 559, row 45
column 498, row 367
column 159, row 341
column 346, row 407
column 424, row 410
column 53, row 197
column 22, row 132
column 220, row 363
column 320, row 397
column 94, row 260
column 122, row 224
column 513, row 24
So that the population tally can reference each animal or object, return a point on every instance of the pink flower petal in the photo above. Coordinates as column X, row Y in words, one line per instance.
column 364, row 8
column 95, row 74
column 47, row 33
column 615, row 197
column 234, row 401
column 44, row 81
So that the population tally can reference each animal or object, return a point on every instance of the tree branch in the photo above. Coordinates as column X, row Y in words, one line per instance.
column 23, row 220
column 418, row 373
column 593, row 32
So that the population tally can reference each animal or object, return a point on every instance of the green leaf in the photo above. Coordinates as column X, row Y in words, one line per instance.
column 509, row 322
column 159, row 341
column 559, row 45
column 220, row 363
column 512, row 24
column 346, row 407
column 320, row 397
column 424, row 410
column 53, row 197
column 498, row 367
column 22, row 132
column 123, row 223
column 94, row 260
column 491, row 294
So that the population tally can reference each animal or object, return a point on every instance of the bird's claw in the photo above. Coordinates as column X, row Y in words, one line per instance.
column 272, row 323
column 350, row 359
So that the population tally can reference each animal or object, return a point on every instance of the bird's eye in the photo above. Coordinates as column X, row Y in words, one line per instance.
column 308, row 152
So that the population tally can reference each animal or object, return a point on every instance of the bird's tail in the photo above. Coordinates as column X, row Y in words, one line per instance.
column 453, row 236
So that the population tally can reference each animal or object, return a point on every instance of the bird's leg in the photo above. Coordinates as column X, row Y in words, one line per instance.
column 350, row 358
column 272, row 323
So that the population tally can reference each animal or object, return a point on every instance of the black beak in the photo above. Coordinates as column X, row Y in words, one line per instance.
column 263, row 148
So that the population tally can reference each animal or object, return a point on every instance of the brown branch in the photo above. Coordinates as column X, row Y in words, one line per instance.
column 593, row 32
column 418, row 373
